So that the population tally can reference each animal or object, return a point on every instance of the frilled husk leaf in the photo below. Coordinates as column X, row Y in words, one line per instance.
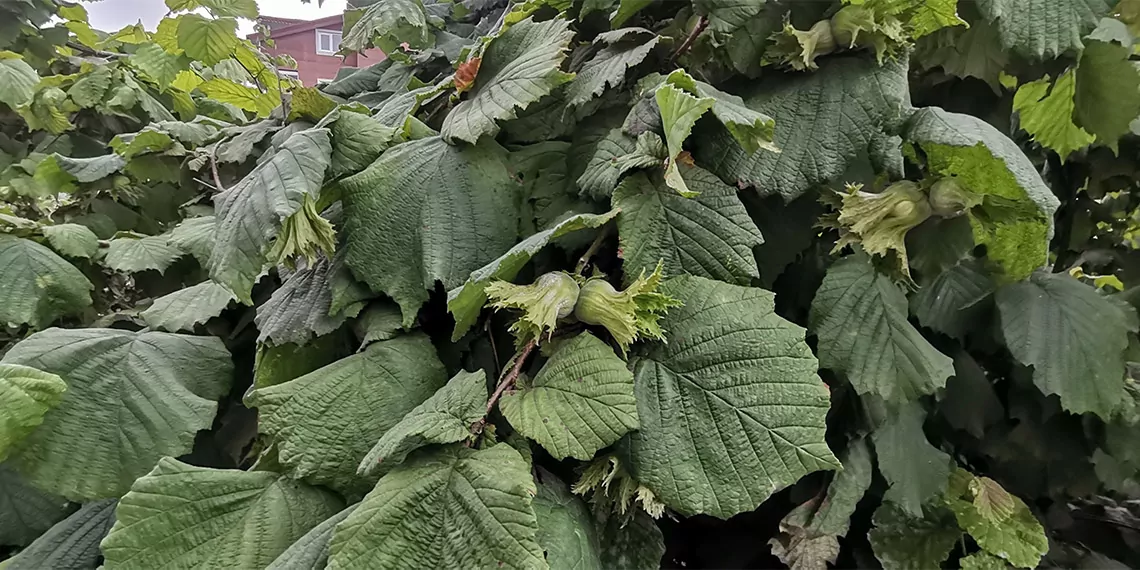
column 862, row 27
column 628, row 315
column 551, row 297
column 614, row 489
column 799, row 48
column 878, row 222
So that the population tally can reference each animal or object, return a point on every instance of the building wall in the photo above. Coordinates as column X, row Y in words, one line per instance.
column 311, row 66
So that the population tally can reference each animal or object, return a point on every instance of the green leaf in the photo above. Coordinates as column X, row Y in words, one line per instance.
column 72, row 240
column 183, row 516
column 1049, row 30
column 727, row 16
column 915, row 470
column 1072, row 336
column 358, row 140
column 816, row 130
column 26, row 394
column 89, row 90
column 608, row 67
column 207, row 40
column 1047, row 114
column 465, row 302
column 158, row 64
column 617, row 154
column 731, row 408
column 275, row 365
column 184, row 308
column 809, row 533
column 236, row 8
column 25, row 511
column 194, row 236
column 310, row 104
column 381, row 321
column 709, row 235
column 626, row 10
column 445, row 417
column 982, row 561
column 450, row 507
column 630, row 544
column 301, row 308
column 311, row 552
column 975, row 52
column 79, row 169
column 133, row 254
column 111, row 428
column 72, row 543
column 39, row 286
column 902, row 542
column 954, row 302
column 860, row 316
column 1010, row 532
column 679, row 112
column 566, row 530
column 241, row 96
column 18, row 82
column 581, row 401
column 324, row 422
column 427, row 211
column 1107, row 91
column 518, row 68
column 250, row 212
column 388, row 24
column 1015, row 218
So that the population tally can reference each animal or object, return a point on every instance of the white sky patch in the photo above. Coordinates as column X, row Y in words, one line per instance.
column 112, row 15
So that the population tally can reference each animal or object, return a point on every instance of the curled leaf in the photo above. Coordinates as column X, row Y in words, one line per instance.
column 304, row 234
column 465, row 75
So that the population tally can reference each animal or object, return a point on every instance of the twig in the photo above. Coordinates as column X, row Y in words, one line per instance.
column 688, row 43
column 594, row 247
column 214, row 169
column 507, row 381
column 494, row 349
column 90, row 51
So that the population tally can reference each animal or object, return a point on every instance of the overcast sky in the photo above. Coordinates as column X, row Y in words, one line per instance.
column 110, row 15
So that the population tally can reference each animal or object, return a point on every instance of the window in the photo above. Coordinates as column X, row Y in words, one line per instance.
column 328, row 42
column 290, row 73
column 324, row 81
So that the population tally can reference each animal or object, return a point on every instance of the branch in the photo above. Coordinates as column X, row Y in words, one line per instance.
column 89, row 51
column 507, row 381
column 594, row 247
column 214, row 169
column 688, row 43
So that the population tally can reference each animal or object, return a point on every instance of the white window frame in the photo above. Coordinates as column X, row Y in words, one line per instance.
column 323, row 82
column 329, row 34
column 290, row 73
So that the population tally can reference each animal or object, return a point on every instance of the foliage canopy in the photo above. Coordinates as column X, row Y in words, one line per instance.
column 556, row 276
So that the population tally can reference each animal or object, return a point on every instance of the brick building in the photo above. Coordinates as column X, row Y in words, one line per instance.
column 313, row 44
